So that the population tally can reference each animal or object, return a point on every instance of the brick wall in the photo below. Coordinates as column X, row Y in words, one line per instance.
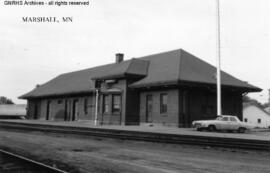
column 184, row 106
column 171, row 117
column 61, row 108
column 110, row 118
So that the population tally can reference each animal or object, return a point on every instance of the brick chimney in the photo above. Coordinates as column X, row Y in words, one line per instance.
column 119, row 57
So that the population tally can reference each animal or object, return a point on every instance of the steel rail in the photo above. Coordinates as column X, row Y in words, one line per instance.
column 44, row 167
column 234, row 143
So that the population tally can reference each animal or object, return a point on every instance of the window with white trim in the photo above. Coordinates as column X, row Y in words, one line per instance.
column 116, row 103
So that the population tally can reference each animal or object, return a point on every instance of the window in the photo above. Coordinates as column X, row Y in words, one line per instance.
column 245, row 120
column 106, row 104
column 163, row 103
column 232, row 119
column 259, row 120
column 225, row 119
column 115, row 103
column 85, row 106
column 59, row 101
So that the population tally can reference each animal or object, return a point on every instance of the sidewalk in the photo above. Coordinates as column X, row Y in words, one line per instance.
column 255, row 134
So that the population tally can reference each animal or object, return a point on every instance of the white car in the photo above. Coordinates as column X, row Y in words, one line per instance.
column 224, row 122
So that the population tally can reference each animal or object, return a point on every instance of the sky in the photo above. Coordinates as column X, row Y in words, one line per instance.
column 34, row 53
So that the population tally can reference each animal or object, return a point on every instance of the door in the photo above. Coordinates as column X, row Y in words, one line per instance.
column 48, row 110
column 92, row 107
column 185, row 119
column 35, row 111
column 149, row 108
column 75, row 110
column 66, row 111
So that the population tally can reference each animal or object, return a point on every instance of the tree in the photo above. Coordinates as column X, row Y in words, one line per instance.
column 4, row 100
column 250, row 100
column 247, row 99
column 265, row 105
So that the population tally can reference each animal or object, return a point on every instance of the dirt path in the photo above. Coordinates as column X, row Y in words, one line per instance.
column 118, row 156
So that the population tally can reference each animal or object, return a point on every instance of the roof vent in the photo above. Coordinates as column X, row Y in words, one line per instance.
column 119, row 57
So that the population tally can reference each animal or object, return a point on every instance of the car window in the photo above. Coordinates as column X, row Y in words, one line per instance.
column 233, row 119
column 225, row 119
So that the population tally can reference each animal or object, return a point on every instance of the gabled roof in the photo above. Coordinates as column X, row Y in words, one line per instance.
column 165, row 68
column 13, row 110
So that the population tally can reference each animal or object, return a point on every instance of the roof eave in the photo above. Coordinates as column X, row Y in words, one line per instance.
column 154, row 84
column 56, row 95
column 181, row 83
column 118, row 76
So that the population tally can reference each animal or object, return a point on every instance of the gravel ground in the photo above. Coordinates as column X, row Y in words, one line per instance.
column 86, row 155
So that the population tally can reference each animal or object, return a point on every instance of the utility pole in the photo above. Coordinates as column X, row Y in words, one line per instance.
column 218, row 61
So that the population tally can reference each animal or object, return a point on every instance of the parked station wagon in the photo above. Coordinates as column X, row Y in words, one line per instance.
column 224, row 122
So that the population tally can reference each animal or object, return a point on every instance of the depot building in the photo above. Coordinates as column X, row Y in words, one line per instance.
column 171, row 88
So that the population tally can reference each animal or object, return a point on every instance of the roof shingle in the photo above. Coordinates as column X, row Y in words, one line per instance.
column 159, row 69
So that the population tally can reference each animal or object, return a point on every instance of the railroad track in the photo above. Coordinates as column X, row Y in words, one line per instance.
column 15, row 163
column 232, row 143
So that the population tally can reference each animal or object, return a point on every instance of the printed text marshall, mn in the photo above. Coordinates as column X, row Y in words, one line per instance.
column 39, row 19
column 48, row 2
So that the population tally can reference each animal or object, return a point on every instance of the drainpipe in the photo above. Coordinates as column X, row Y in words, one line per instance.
column 96, row 108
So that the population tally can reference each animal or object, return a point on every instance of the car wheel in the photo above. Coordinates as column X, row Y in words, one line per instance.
column 211, row 128
column 241, row 130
